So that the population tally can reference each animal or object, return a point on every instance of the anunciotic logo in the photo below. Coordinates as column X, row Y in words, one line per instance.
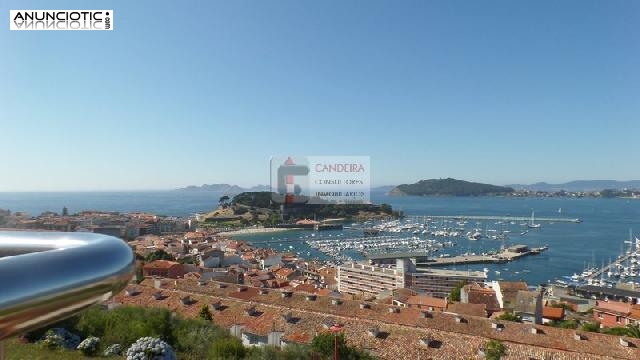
column 61, row 19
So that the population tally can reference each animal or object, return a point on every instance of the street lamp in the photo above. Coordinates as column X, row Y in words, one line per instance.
column 335, row 329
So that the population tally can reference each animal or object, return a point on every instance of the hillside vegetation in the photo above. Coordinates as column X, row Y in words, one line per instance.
column 450, row 187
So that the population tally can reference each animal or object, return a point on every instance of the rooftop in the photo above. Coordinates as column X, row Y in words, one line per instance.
column 405, row 328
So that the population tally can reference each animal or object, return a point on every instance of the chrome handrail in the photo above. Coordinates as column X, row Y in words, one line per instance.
column 48, row 276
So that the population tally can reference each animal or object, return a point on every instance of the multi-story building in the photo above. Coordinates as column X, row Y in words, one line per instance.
column 355, row 278
column 440, row 282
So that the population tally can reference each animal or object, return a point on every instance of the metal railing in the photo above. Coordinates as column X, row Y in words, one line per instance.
column 48, row 276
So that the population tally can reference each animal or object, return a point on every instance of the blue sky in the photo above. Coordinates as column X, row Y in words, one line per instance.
column 491, row 91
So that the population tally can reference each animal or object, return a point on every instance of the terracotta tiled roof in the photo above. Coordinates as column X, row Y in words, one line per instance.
column 404, row 329
column 553, row 313
column 284, row 272
column 468, row 309
column 305, row 288
column 423, row 300
column 615, row 307
column 486, row 297
column 512, row 285
column 160, row 264
column 247, row 294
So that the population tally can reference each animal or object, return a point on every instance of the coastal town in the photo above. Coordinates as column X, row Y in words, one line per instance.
column 393, row 305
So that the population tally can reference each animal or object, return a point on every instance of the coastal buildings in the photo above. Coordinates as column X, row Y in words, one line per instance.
column 615, row 313
column 440, row 282
column 474, row 293
column 356, row 278
column 371, row 280
column 163, row 268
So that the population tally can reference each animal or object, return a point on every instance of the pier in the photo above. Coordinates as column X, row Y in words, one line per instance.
column 614, row 264
column 423, row 218
column 423, row 259
column 508, row 255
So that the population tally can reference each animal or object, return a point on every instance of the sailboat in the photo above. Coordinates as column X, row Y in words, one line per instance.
column 533, row 225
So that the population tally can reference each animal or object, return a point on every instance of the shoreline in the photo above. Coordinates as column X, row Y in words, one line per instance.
column 250, row 231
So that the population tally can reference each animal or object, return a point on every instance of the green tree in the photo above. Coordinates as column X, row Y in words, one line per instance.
column 205, row 313
column 224, row 200
column 325, row 344
column 159, row 255
column 494, row 350
column 455, row 292
column 386, row 208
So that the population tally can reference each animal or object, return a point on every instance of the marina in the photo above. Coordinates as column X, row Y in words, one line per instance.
column 492, row 218
column 446, row 241
column 625, row 270
column 443, row 241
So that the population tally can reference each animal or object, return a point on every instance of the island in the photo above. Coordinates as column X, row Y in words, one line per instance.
column 449, row 187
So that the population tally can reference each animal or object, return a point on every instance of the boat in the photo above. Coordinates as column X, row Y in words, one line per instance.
column 532, row 224
column 476, row 235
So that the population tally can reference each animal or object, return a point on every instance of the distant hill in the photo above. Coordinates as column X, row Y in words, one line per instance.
column 580, row 185
column 449, row 186
column 382, row 189
column 226, row 188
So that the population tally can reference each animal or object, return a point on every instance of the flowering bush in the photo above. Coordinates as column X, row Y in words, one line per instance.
column 52, row 340
column 59, row 337
column 89, row 346
column 113, row 350
column 148, row 348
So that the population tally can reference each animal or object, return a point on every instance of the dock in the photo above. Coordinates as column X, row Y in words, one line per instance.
column 606, row 269
column 507, row 255
column 423, row 218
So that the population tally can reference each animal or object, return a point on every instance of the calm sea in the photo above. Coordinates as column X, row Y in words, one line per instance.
column 599, row 238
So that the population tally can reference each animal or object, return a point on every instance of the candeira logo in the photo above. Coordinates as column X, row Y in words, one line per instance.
column 61, row 19
column 320, row 179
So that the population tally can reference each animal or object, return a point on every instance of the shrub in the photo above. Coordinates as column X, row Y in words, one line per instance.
column 510, row 317
column 324, row 344
column 192, row 338
column 591, row 327
column 113, row 350
column 494, row 350
column 51, row 340
column 227, row 348
column 148, row 348
column 89, row 346
column 60, row 338
column 618, row 331
column 124, row 325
